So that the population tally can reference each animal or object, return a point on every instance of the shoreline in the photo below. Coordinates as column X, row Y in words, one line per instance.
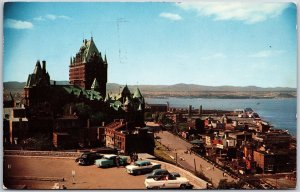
column 215, row 97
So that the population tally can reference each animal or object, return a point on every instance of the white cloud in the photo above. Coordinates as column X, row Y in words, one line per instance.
column 266, row 53
column 17, row 24
column 215, row 56
column 171, row 16
column 63, row 17
column 247, row 12
column 39, row 19
column 51, row 17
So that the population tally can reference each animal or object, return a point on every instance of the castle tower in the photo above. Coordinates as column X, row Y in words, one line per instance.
column 87, row 65
column 37, row 83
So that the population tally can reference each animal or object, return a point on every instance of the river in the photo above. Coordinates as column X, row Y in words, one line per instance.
column 281, row 113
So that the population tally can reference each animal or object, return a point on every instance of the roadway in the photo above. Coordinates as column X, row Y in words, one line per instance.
column 179, row 146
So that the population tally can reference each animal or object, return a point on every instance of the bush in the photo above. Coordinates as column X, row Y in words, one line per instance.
column 38, row 142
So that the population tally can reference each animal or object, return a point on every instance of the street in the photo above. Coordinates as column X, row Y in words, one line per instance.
column 179, row 146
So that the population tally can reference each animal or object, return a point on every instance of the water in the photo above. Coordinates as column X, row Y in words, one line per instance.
column 281, row 113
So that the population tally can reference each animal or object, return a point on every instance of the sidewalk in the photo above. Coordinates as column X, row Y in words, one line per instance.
column 179, row 146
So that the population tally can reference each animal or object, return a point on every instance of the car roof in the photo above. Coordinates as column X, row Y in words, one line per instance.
column 142, row 162
column 110, row 155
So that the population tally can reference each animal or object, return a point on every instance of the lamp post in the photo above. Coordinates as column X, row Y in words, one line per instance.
column 73, row 176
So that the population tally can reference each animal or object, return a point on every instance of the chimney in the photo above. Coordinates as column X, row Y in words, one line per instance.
column 44, row 66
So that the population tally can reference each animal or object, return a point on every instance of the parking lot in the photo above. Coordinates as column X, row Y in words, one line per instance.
column 86, row 177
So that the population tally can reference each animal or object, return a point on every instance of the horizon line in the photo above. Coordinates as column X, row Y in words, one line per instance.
column 173, row 84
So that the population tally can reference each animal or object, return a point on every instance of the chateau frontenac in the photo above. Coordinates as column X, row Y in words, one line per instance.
column 82, row 113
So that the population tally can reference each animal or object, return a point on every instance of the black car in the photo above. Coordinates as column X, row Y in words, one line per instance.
column 88, row 158
column 157, row 173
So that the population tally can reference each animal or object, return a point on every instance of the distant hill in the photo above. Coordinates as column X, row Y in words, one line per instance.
column 185, row 90
column 193, row 87
column 13, row 85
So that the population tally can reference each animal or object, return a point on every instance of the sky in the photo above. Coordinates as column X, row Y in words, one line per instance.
column 157, row 43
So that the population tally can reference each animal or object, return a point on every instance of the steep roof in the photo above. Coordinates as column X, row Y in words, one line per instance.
column 89, row 48
column 38, row 68
column 125, row 92
column 137, row 93
column 80, row 92
column 38, row 77
column 95, row 84
column 107, row 98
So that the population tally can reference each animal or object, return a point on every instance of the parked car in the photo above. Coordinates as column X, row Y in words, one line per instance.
column 160, row 173
column 143, row 166
column 168, row 181
column 88, row 158
column 111, row 161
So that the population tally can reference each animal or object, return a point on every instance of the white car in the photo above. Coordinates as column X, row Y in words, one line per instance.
column 143, row 166
column 169, row 182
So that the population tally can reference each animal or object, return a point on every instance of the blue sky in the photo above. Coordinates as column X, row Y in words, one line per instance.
column 214, row 44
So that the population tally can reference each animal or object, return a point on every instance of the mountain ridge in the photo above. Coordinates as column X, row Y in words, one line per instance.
column 176, row 87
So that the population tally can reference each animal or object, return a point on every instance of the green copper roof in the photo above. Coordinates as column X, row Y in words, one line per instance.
column 137, row 93
column 116, row 105
column 89, row 48
column 80, row 92
column 95, row 84
column 140, row 107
